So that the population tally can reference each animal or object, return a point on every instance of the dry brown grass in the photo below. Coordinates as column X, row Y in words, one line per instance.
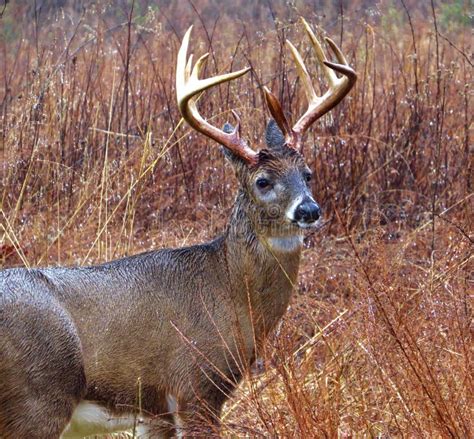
column 378, row 339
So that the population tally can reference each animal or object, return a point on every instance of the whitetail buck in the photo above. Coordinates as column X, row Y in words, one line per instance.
column 156, row 342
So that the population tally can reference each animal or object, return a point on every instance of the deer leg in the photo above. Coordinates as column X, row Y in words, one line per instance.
column 161, row 427
column 198, row 418
column 41, row 372
column 199, row 414
column 27, row 414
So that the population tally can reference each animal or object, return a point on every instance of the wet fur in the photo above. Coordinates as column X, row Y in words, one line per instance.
column 181, row 323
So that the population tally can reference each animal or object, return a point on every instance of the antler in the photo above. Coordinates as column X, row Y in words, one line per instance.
column 317, row 105
column 188, row 88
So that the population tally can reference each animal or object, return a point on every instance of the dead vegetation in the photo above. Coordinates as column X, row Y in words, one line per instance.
column 96, row 165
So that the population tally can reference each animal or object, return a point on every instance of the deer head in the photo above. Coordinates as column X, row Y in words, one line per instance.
column 274, row 180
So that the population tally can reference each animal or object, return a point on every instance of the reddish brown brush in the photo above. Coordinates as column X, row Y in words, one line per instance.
column 96, row 165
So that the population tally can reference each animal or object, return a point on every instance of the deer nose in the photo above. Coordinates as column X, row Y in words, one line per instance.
column 307, row 212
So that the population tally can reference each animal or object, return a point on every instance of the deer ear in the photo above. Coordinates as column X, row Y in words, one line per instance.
column 234, row 159
column 274, row 136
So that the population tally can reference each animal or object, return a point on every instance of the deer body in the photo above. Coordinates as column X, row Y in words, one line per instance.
column 156, row 342
column 203, row 306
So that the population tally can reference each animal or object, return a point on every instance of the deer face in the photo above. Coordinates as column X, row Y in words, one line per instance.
column 277, row 187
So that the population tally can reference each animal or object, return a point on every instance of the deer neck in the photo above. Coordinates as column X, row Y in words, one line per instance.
column 262, row 261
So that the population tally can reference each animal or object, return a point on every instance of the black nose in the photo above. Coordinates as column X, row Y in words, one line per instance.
column 308, row 212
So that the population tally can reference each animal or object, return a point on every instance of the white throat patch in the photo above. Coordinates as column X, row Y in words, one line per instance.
column 285, row 244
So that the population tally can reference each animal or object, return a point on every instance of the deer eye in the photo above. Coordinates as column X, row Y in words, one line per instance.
column 263, row 183
column 308, row 176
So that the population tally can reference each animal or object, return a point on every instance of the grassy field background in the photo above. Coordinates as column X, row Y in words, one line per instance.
column 95, row 164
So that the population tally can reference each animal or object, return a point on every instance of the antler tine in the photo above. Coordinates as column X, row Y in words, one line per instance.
column 338, row 87
column 303, row 73
column 339, row 55
column 188, row 88
column 330, row 75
